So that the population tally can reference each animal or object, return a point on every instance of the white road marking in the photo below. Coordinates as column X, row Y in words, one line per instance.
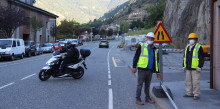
column 109, row 82
column 28, row 76
column 109, row 76
column 110, row 94
column 7, row 85
column 110, row 105
column 4, row 66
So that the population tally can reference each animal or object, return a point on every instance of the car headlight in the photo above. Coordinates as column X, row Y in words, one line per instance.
column 8, row 52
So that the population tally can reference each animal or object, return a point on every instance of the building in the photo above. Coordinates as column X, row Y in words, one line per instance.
column 134, row 16
column 26, row 32
column 216, row 45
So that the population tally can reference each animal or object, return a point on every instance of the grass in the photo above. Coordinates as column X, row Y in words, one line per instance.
column 141, row 32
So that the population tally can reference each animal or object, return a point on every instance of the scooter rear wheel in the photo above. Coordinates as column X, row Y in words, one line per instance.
column 79, row 74
column 44, row 75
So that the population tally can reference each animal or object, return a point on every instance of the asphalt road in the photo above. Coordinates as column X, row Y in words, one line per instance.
column 107, row 84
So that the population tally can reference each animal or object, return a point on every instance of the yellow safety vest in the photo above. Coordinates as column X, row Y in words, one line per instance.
column 144, row 57
column 195, row 56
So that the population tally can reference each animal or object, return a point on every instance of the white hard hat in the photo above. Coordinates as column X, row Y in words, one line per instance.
column 150, row 34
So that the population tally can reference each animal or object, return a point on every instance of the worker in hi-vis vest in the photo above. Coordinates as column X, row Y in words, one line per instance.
column 192, row 64
column 146, row 60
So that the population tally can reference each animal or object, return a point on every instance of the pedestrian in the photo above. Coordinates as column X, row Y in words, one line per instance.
column 192, row 64
column 146, row 60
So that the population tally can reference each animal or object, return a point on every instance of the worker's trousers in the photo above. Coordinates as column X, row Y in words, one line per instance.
column 192, row 82
column 144, row 76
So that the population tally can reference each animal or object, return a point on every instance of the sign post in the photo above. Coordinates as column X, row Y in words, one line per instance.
column 161, row 36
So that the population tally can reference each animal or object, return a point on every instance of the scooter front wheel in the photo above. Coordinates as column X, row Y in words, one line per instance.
column 79, row 74
column 44, row 75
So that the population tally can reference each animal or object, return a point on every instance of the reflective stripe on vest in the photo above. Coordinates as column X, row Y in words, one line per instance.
column 144, row 57
column 195, row 56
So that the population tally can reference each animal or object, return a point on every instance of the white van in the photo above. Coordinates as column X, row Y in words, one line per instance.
column 74, row 41
column 12, row 48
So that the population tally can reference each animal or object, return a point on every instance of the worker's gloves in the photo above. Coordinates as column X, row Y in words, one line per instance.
column 199, row 69
column 184, row 69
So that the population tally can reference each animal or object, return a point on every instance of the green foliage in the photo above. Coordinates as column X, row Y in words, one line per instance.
column 102, row 32
column 36, row 24
column 156, row 14
column 141, row 32
column 124, row 26
column 138, row 24
column 68, row 29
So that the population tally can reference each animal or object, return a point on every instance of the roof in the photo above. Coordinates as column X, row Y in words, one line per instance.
column 17, row 2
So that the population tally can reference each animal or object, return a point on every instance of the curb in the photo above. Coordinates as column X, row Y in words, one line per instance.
column 158, row 102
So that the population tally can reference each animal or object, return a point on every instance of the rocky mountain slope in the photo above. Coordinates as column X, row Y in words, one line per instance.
column 79, row 10
column 182, row 17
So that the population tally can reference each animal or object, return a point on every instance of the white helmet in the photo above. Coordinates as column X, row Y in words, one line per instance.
column 150, row 34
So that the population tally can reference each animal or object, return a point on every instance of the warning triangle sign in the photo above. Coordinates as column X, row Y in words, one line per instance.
column 161, row 35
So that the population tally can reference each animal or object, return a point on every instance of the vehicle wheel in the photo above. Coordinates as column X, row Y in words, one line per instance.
column 12, row 58
column 35, row 53
column 107, row 46
column 29, row 54
column 80, row 73
column 99, row 46
column 22, row 56
column 43, row 75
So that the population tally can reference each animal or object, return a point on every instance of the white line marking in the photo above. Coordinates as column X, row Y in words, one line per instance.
column 6, row 85
column 109, row 82
column 109, row 76
column 109, row 72
column 110, row 104
column 28, row 76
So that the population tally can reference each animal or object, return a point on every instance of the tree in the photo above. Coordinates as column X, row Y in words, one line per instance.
column 124, row 26
column 69, row 29
column 137, row 23
column 110, row 32
column 36, row 25
column 53, row 31
column 10, row 19
column 156, row 14
column 102, row 32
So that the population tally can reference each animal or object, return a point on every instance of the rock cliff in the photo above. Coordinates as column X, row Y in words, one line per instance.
column 182, row 17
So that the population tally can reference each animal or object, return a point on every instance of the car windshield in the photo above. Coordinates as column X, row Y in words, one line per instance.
column 61, row 42
column 47, row 45
column 6, row 43
column 26, row 43
column 55, row 44
column 104, row 41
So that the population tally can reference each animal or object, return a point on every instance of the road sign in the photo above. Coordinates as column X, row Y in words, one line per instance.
column 161, row 35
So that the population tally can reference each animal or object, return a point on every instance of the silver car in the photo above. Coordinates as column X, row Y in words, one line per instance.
column 48, row 47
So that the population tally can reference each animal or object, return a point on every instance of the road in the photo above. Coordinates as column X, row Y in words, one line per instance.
column 107, row 84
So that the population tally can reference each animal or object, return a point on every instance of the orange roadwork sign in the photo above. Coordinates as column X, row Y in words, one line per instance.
column 161, row 35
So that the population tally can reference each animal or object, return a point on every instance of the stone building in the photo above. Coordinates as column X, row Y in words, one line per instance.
column 26, row 32
column 134, row 16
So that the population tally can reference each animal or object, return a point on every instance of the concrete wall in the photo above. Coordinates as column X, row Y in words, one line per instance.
column 216, row 60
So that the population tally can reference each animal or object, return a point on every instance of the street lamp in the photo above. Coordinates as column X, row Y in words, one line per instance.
column 91, row 33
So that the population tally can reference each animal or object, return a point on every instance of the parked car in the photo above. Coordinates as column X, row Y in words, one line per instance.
column 57, row 46
column 104, row 43
column 74, row 41
column 30, row 48
column 48, row 47
column 80, row 42
column 38, row 49
column 12, row 48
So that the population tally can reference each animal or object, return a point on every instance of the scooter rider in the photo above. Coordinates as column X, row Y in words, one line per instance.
column 71, row 56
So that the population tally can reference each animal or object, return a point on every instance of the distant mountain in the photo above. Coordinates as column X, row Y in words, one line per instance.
column 80, row 10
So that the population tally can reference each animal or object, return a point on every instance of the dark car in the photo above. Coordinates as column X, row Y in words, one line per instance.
column 39, row 49
column 80, row 42
column 104, row 43
column 30, row 48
